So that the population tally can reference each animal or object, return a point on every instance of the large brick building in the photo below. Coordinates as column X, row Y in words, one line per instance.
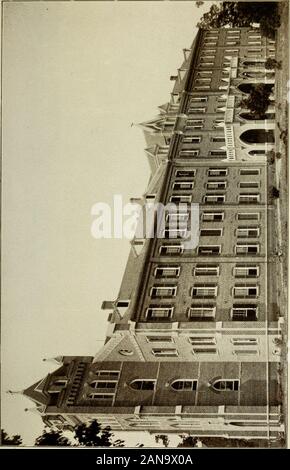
column 193, row 340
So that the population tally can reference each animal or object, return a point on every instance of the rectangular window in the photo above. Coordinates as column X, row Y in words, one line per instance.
column 243, row 341
column 186, row 185
column 212, row 232
column 185, row 173
column 248, row 216
column 208, row 250
column 163, row 291
column 248, row 232
column 206, row 270
column 177, row 218
column 205, row 63
column 175, row 233
column 249, row 184
column 255, row 36
column 200, row 81
column 218, row 153
column 204, row 290
column 105, row 384
column 198, row 99
column 202, row 87
column 167, row 271
column 165, row 352
column 242, row 291
column 204, row 74
column 249, row 171
column 192, row 140
column 246, row 271
column 104, row 397
column 202, row 312
column 161, row 311
column 232, row 43
column 214, row 198
column 195, row 110
column 244, row 312
column 181, row 199
column 202, row 340
column 249, row 198
column 107, row 373
column 254, row 51
column 204, row 351
column 252, row 249
column 216, row 184
column 212, row 216
column 254, row 43
column 231, row 51
column 171, row 249
column 189, row 153
column 218, row 139
column 246, row 352
column 192, row 122
column 159, row 339
column 217, row 172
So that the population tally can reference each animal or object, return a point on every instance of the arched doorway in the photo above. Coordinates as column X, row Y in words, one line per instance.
column 258, row 136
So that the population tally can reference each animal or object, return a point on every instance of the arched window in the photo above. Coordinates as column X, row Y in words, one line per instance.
column 146, row 384
column 186, row 385
column 223, row 385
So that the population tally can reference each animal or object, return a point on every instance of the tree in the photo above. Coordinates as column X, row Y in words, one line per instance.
column 52, row 438
column 241, row 14
column 187, row 441
column 6, row 440
column 199, row 3
column 272, row 64
column 163, row 438
column 92, row 435
column 258, row 101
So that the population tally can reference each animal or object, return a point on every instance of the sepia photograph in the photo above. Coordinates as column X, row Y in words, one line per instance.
column 144, row 226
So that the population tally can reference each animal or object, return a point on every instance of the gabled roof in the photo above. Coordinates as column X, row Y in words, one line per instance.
column 38, row 397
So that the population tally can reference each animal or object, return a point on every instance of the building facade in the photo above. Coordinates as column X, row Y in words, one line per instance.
column 193, row 340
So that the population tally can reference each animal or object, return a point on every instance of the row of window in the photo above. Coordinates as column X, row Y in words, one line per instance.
column 204, row 340
column 218, row 172
column 214, row 184
column 173, row 231
column 185, row 385
column 242, row 198
column 239, row 312
column 239, row 271
column 211, row 250
column 209, row 290
column 182, row 217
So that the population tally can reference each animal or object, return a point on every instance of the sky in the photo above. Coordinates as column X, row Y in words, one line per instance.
column 76, row 75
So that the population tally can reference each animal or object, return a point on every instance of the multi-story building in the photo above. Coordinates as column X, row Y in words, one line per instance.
column 193, row 341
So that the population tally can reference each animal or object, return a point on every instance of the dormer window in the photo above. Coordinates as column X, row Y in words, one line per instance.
column 60, row 383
